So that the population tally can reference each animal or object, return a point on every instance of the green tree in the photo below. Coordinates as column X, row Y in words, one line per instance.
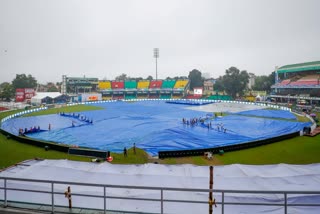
column 218, row 85
column 235, row 81
column 53, row 89
column 137, row 79
column 24, row 81
column 6, row 91
column 122, row 77
column 195, row 79
column 149, row 78
column 264, row 83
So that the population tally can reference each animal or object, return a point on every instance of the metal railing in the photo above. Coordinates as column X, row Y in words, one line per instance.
column 162, row 200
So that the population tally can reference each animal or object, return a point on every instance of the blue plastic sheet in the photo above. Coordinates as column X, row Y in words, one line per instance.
column 153, row 126
column 269, row 113
column 190, row 102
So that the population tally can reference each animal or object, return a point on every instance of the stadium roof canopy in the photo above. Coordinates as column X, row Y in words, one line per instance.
column 307, row 66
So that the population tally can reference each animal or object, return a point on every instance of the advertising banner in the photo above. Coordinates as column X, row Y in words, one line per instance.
column 20, row 95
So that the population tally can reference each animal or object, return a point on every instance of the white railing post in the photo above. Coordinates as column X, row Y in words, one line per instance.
column 104, row 201
column 52, row 197
column 161, row 201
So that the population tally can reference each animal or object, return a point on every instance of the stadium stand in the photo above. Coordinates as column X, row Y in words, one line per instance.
column 117, row 90
column 181, row 84
column 168, row 84
column 219, row 97
column 295, row 82
column 285, row 82
column 307, row 80
column 143, row 84
column 155, row 84
column 104, row 85
column 142, row 89
column 154, row 89
column 130, row 90
column 130, row 85
column 75, row 85
column 165, row 96
column 165, row 89
column 178, row 89
column 117, row 85
column 105, row 89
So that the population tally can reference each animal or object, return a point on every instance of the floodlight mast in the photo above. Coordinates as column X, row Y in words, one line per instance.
column 156, row 56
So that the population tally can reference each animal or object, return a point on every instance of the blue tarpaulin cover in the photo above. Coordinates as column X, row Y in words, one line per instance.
column 153, row 126
column 269, row 113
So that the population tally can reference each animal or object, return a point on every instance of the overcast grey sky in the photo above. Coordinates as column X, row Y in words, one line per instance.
column 106, row 38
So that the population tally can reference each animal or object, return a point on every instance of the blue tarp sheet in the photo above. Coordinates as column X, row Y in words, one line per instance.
column 269, row 113
column 189, row 102
column 153, row 125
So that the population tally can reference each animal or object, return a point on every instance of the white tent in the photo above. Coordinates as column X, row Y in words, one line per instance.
column 40, row 96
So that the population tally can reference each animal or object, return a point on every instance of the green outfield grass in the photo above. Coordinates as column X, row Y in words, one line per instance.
column 75, row 108
column 12, row 152
column 299, row 150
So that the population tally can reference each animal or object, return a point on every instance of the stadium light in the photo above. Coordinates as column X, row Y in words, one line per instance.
column 156, row 56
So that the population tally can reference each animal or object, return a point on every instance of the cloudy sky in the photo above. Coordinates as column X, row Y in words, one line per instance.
column 107, row 38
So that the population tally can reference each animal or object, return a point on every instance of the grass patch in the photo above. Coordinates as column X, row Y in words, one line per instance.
column 75, row 108
column 12, row 152
column 195, row 160
column 7, row 113
column 302, row 118
column 140, row 157
column 169, row 161
column 298, row 150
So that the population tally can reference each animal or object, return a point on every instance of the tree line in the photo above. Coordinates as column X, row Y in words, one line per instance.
column 7, row 90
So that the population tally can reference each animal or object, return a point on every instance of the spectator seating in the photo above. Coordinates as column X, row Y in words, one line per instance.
column 117, row 85
column 154, row 84
column 143, row 84
column 104, row 85
column 168, row 83
column 130, row 84
column 181, row 84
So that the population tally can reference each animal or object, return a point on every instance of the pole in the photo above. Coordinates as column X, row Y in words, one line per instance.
column 156, row 55
column 156, row 68
column 5, row 193
column 52, row 197
column 210, row 187
column 104, row 201
column 67, row 194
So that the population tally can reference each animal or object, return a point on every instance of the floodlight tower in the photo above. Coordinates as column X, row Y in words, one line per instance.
column 156, row 56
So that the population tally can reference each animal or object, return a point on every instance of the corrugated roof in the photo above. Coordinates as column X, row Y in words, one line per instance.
column 307, row 66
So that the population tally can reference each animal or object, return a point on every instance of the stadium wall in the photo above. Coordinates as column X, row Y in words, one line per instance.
column 222, row 149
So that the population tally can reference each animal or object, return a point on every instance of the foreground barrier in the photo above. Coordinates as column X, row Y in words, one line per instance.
column 220, row 194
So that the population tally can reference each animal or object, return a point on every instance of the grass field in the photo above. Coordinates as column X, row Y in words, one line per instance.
column 76, row 108
column 12, row 152
column 299, row 150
